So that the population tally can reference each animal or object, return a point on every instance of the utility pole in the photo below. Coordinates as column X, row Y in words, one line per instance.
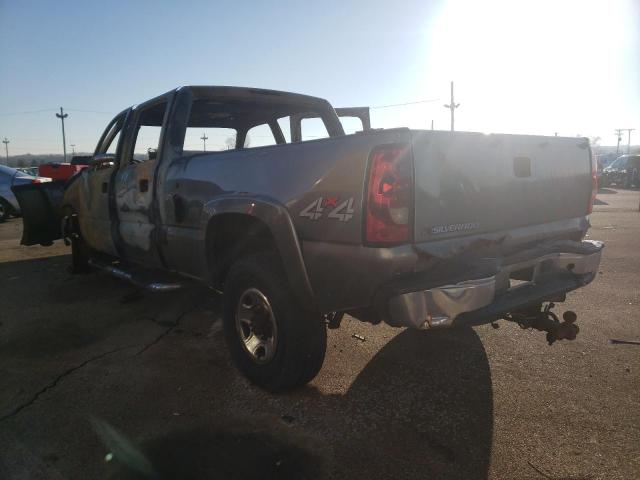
column 62, row 116
column 6, row 148
column 629, row 130
column 431, row 124
column 73, row 148
column 204, row 139
column 452, row 106
column 619, row 134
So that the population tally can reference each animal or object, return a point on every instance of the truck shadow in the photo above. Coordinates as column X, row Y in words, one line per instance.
column 47, row 310
column 421, row 408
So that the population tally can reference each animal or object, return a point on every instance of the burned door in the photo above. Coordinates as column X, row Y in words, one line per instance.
column 134, row 183
column 94, row 215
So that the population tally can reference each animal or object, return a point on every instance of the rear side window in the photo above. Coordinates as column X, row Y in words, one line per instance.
column 205, row 139
column 210, row 128
column 148, row 132
column 351, row 125
column 313, row 128
column 285, row 128
column 259, row 136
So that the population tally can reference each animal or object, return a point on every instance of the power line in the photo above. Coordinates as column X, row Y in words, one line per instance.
column 405, row 103
column 111, row 113
column 89, row 111
column 29, row 111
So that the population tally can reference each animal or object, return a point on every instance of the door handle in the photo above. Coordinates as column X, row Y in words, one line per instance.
column 144, row 185
column 179, row 208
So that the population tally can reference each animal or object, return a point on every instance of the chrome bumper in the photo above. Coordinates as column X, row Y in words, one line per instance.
column 440, row 306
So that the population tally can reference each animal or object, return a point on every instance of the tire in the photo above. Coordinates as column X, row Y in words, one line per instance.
column 5, row 210
column 294, row 339
column 79, row 256
column 79, row 249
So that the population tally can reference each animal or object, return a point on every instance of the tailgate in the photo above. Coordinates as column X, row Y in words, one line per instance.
column 41, row 217
column 470, row 183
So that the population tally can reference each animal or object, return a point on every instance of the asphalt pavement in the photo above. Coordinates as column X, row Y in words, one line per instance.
column 98, row 380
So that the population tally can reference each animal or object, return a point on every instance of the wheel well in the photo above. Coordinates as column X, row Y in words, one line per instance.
column 233, row 235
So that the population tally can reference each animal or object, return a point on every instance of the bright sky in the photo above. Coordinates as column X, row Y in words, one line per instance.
column 519, row 66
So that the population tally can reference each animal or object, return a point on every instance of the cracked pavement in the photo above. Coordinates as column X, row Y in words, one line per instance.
column 97, row 381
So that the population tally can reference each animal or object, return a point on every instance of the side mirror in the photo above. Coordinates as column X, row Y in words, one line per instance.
column 101, row 159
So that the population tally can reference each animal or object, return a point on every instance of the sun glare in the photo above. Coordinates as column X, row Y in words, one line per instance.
column 533, row 66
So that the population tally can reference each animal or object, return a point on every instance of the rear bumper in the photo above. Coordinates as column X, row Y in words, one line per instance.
column 491, row 287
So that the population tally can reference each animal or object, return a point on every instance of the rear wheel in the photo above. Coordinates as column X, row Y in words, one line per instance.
column 276, row 343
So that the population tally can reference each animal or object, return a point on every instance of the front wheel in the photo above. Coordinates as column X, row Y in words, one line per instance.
column 79, row 248
column 276, row 343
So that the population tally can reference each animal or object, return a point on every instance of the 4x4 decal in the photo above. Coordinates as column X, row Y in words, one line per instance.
column 343, row 211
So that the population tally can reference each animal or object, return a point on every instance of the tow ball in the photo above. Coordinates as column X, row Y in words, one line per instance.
column 545, row 320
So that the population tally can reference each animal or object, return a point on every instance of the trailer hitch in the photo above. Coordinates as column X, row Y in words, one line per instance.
column 544, row 320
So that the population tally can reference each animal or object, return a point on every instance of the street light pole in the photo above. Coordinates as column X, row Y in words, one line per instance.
column 6, row 148
column 73, row 148
column 62, row 116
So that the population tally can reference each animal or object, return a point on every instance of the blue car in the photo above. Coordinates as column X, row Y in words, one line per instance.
column 10, row 177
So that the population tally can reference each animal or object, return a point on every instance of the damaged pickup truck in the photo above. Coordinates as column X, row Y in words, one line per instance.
column 415, row 228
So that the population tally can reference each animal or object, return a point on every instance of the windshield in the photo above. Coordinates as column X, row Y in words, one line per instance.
column 620, row 162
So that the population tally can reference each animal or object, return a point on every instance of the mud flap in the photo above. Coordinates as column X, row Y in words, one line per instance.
column 41, row 211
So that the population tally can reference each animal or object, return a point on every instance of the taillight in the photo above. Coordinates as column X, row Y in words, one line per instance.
column 594, row 183
column 389, row 195
column 41, row 180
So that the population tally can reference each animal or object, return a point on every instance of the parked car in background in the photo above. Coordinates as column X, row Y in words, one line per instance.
column 10, row 177
column 80, row 160
column 59, row 171
column 33, row 171
column 623, row 172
